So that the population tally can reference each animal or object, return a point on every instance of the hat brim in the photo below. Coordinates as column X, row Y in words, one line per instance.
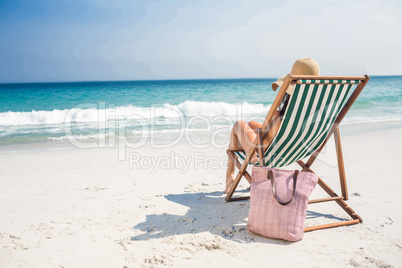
column 278, row 84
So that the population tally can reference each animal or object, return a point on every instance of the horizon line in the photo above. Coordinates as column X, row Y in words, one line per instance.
column 161, row 80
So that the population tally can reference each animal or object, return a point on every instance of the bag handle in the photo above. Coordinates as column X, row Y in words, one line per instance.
column 270, row 175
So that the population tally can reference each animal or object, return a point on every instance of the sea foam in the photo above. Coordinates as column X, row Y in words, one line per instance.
column 92, row 115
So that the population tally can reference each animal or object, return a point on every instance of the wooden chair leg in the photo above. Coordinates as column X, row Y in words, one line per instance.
column 334, row 197
column 341, row 165
column 240, row 174
column 330, row 225
column 234, row 158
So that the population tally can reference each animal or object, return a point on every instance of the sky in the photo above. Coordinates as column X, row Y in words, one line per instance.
column 97, row 40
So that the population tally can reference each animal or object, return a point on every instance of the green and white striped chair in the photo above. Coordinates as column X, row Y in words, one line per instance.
column 315, row 109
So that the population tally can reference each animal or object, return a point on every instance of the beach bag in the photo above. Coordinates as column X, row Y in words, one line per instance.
column 278, row 202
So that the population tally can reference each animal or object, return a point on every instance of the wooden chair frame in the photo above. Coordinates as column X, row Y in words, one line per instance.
column 340, row 200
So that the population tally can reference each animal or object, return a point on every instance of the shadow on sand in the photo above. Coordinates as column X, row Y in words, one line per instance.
column 208, row 212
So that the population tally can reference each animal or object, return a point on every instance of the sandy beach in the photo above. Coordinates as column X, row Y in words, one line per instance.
column 165, row 207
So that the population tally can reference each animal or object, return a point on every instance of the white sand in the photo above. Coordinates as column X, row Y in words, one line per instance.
column 85, row 208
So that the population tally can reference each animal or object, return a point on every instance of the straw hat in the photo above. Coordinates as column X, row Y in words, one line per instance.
column 304, row 66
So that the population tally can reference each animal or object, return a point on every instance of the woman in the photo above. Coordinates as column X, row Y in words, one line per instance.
column 244, row 133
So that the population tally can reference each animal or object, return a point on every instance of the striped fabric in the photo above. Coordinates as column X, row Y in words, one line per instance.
column 241, row 154
column 310, row 114
column 329, row 81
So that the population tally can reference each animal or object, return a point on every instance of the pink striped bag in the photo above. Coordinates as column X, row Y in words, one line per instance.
column 278, row 202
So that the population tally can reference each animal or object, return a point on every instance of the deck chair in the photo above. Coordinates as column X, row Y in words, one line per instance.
column 315, row 109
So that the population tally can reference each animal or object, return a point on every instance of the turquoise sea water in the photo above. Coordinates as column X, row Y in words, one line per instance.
column 52, row 112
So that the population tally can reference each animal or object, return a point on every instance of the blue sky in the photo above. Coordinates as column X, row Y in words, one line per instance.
column 87, row 40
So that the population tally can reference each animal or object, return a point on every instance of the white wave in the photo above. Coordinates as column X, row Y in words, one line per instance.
column 171, row 131
column 191, row 108
column 78, row 137
column 92, row 115
column 166, row 114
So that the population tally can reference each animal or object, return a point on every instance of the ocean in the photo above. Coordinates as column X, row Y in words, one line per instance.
column 93, row 112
